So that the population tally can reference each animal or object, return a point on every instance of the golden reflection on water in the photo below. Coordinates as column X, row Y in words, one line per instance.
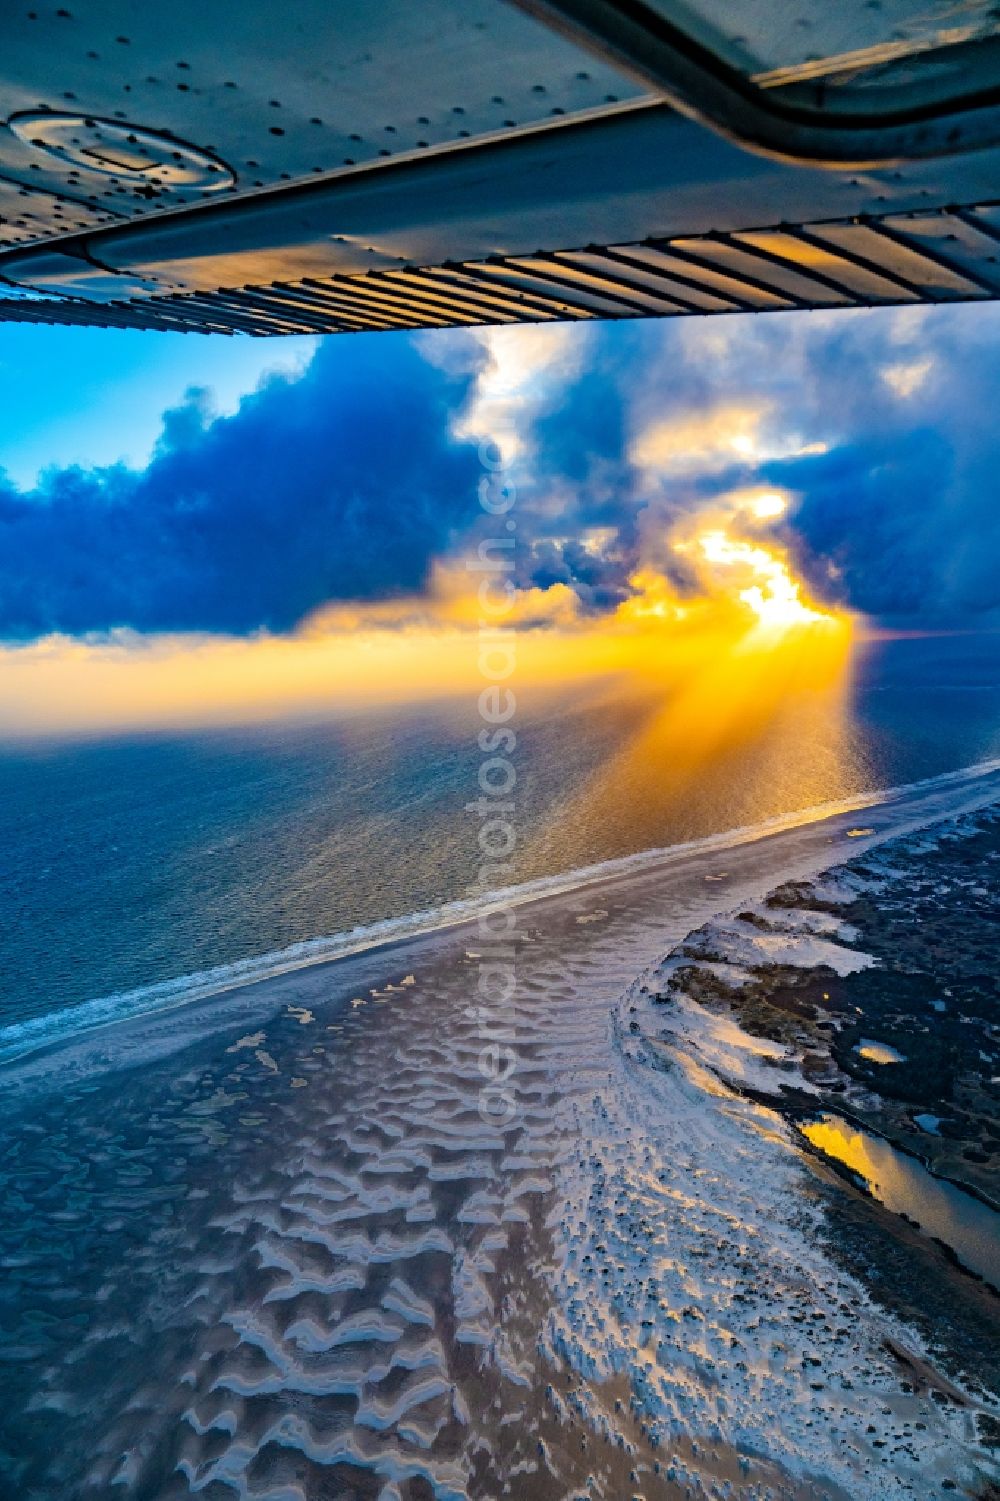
column 730, row 722
column 970, row 1227
column 736, row 690
column 879, row 1052
column 853, row 1148
column 747, row 683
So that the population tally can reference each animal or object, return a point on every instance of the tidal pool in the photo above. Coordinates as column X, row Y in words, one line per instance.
column 969, row 1227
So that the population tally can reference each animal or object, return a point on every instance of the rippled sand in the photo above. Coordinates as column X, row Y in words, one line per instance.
column 276, row 1253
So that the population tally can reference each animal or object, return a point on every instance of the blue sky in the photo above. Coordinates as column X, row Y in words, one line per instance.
column 95, row 396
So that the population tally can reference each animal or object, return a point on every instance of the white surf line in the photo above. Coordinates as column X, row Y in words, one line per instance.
column 20, row 1039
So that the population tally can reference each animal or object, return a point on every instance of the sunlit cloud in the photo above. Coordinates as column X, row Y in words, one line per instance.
column 654, row 599
column 767, row 504
column 906, row 377
column 747, row 608
column 700, row 441
column 773, row 595
column 519, row 364
column 709, row 441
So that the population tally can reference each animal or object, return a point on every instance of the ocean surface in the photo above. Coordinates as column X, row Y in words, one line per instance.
column 128, row 864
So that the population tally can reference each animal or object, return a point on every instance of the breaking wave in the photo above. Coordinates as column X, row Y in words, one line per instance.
column 22, row 1038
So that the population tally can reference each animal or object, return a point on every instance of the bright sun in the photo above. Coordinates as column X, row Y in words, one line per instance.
column 770, row 591
column 766, row 504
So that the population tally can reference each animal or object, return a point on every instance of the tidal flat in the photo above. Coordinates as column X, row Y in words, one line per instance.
column 267, row 1247
column 863, row 1006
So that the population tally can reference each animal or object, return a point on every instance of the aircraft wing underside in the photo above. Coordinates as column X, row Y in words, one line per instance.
column 336, row 168
column 932, row 257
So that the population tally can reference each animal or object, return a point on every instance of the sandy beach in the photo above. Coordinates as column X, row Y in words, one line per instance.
column 268, row 1245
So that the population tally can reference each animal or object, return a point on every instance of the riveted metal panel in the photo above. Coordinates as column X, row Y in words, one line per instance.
column 705, row 293
column 606, row 279
column 986, row 216
column 825, row 264
column 412, row 309
column 345, row 310
column 466, row 298
column 896, row 259
column 973, row 252
column 259, row 310
column 553, row 296
column 779, row 41
column 269, row 93
column 616, row 266
column 285, row 305
column 27, row 214
column 515, row 305
column 779, row 257
column 861, row 279
column 726, row 269
column 538, row 301
column 617, row 300
column 414, row 290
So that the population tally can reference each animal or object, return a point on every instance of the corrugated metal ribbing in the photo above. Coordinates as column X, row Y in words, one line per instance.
column 933, row 256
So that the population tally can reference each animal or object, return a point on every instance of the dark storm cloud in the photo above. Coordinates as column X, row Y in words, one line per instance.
column 871, row 528
column 900, row 518
column 346, row 484
column 897, row 518
column 343, row 484
column 581, row 482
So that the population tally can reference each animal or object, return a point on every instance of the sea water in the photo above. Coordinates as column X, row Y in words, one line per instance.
column 129, row 864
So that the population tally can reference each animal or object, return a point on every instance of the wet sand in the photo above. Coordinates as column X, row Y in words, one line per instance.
column 266, row 1246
